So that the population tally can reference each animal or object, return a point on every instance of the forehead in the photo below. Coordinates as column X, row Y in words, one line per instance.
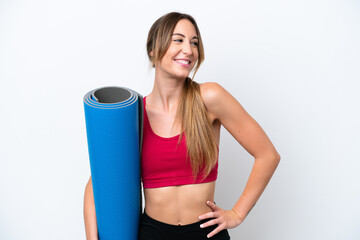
column 185, row 27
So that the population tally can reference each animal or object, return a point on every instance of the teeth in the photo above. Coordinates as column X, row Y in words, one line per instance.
column 183, row 61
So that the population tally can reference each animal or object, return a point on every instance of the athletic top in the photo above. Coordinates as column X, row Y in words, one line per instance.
column 163, row 163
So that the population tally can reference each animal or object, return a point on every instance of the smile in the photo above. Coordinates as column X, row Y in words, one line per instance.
column 183, row 62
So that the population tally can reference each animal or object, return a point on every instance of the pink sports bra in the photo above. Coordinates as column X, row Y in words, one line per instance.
column 163, row 163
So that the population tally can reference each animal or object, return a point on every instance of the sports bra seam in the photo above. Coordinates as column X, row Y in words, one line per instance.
column 211, row 177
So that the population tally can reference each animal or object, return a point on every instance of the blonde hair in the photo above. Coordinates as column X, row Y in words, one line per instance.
column 191, row 112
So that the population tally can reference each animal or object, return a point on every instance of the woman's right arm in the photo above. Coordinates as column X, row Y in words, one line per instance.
column 89, row 213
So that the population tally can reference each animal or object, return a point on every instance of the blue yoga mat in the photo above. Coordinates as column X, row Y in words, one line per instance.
column 114, row 117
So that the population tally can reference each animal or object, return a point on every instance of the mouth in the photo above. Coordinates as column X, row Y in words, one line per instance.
column 183, row 62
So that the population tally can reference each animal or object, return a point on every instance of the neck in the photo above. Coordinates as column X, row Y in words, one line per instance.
column 166, row 92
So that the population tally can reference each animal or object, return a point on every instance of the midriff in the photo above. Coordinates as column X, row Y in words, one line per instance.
column 179, row 205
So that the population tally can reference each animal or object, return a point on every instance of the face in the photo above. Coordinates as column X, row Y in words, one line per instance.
column 182, row 54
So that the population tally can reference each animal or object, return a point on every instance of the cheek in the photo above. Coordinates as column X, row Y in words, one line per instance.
column 169, row 58
column 196, row 55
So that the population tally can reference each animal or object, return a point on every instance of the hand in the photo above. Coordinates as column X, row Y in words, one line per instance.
column 226, row 219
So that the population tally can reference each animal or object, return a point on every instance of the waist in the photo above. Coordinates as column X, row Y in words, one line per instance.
column 179, row 204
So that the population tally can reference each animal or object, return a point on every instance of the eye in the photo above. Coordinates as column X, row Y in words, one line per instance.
column 195, row 43
column 178, row 40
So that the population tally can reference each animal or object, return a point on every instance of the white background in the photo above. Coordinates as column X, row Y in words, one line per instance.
column 293, row 65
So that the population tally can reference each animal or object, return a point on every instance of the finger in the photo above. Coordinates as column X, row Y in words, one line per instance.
column 208, row 215
column 209, row 223
column 215, row 231
column 212, row 205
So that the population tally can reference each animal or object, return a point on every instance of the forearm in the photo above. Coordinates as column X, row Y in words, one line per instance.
column 89, row 213
column 260, row 176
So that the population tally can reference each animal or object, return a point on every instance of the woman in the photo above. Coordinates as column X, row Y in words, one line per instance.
column 182, row 121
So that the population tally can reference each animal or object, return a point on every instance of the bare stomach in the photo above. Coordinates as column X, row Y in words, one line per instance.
column 179, row 205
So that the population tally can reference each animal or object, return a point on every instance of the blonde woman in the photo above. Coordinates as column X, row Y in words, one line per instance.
column 182, row 121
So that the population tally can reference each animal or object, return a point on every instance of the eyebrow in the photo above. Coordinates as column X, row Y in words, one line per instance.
column 182, row 35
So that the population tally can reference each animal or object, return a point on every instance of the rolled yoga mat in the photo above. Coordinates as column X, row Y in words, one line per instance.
column 114, row 120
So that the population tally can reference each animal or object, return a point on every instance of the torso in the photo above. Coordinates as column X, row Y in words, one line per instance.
column 178, row 205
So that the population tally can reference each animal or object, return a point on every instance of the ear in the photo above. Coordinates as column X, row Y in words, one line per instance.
column 151, row 53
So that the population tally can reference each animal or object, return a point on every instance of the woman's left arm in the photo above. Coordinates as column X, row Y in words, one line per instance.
column 252, row 137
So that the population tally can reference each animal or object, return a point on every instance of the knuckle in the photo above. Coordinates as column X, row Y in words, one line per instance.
column 213, row 222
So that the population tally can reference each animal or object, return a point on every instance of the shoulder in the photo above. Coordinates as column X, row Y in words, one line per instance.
column 211, row 92
column 213, row 95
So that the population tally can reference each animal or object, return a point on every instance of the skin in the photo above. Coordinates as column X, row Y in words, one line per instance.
column 187, row 204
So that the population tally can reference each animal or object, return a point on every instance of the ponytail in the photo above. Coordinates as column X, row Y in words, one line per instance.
column 195, row 123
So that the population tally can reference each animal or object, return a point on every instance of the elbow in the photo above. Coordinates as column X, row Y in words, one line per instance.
column 272, row 158
column 276, row 158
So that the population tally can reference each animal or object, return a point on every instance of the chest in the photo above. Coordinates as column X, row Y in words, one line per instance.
column 163, row 155
column 163, row 124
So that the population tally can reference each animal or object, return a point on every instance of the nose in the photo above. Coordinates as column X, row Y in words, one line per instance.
column 187, row 48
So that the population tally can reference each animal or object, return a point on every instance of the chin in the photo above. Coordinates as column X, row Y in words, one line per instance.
column 179, row 75
column 182, row 75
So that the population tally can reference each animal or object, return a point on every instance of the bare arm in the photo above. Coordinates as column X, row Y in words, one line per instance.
column 89, row 213
column 249, row 134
